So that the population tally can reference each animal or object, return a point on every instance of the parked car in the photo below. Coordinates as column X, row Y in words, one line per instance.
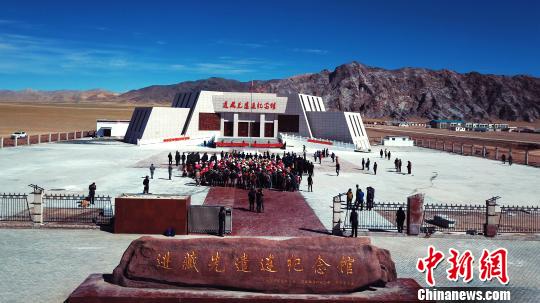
column 18, row 135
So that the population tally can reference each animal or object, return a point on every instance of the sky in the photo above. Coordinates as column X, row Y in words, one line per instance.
column 124, row 45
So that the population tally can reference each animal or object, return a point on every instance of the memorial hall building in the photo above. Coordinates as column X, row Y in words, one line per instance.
column 244, row 116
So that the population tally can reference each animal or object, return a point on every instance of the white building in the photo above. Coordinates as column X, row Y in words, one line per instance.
column 397, row 141
column 111, row 128
column 231, row 115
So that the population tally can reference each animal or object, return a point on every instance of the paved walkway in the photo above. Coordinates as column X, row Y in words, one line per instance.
column 47, row 265
column 285, row 213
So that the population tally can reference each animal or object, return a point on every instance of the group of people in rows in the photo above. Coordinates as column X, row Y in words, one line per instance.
column 245, row 170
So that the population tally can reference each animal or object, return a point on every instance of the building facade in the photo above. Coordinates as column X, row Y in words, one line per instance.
column 233, row 115
column 111, row 128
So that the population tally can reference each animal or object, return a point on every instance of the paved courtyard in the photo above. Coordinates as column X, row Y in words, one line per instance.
column 47, row 265
column 120, row 168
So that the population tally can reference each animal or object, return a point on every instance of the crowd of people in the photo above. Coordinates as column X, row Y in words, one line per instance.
column 248, row 170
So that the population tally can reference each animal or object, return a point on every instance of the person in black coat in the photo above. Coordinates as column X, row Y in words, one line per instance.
column 92, row 192
column 400, row 219
column 170, row 158
column 409, row 167
column 259, row 200
column 177, row 158
column 354, row 223
column 221, row 218
column 146, row 183
column 251, row 196
column 375, row 168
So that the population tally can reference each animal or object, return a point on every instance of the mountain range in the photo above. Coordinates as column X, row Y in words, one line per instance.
column 372, row 91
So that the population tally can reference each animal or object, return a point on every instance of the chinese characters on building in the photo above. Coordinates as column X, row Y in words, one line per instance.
column 249, row 105
column 491, row 265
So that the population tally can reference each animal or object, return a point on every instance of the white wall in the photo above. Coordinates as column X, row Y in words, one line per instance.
column 165, row 122
column 118, row 128
column 339, row 126
column 398, row 141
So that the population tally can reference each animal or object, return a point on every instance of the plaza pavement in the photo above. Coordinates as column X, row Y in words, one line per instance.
column 46, row 265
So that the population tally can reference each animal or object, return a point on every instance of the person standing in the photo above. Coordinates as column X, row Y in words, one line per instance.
column 152, row 170
column 409, row 167
column 381, row 153
column 399, row 165
column 503, row 158
column 170, row 158
column 385, row 153
column 251, row 197
column 360, row 198
column 170, row 171
column 183, row 158
column 354, row 223
column 363, row 163
column 310, row 183
column 337, row 168
column 510, row 159
column 92, row 192
column 177, row 158
column 400, row 219
column 259, row 200
column 388, row 155
column 370, row 197
column 146, row 183
column 349, row 198
column 357, row 201
column 367, row 164
column 375, row 168
column 333, row 156
column 221, row 221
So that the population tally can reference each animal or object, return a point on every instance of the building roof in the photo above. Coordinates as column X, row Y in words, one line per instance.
column 447, row 121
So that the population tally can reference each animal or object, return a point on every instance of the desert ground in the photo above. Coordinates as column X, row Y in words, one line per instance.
column 38, row 118
column 518, row 143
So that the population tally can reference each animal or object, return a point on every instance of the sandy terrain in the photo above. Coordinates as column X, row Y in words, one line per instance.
column 44, row 118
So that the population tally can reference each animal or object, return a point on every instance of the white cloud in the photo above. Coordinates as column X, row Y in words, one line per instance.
column 25, row 54
column 311, row 51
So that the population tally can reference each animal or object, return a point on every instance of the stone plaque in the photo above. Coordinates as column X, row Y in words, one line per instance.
column 296, row 265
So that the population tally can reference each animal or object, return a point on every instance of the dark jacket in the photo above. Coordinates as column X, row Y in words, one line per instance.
column 400, row 216
column 354, row 218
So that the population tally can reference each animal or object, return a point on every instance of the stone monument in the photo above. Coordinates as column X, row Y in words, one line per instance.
column 243, row 269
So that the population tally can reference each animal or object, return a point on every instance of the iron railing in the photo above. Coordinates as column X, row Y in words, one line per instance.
column 72, row 208
column 14, row 207
column 519, row 219
column 450, row 217
column 204, row 219
column 382, row 216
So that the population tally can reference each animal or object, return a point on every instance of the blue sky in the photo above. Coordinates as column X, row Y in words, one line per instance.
column 119, row 46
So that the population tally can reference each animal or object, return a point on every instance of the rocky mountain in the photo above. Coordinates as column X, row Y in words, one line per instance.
column 29, row 95
column 377, row 92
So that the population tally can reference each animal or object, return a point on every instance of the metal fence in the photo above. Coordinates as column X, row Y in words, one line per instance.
column 382, row 216
column 73, row 208
column 203, row 219
column 519, row 219
column 14, row 207
column 450, row 217
column 45, row 138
